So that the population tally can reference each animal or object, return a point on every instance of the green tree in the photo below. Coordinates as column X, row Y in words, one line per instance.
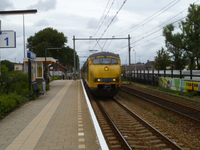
column 50, row 37
column 188, row 40
column 162, row 60
column 8, row 64
column 47, row 37
column 179, row 57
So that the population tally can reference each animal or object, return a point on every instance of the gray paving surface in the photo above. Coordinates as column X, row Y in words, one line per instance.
column 69, row 125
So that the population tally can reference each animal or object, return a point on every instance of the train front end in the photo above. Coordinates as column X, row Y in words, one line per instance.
column 105, row 74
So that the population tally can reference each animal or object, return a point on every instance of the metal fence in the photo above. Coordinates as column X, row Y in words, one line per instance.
column 151, row 77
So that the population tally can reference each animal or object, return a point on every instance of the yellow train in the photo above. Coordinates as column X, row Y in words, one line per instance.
column 102, row 73
column 192, row 86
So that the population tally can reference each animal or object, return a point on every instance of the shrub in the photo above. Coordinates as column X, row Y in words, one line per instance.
column 9, row 102
column 47, row 87
column 12, row 81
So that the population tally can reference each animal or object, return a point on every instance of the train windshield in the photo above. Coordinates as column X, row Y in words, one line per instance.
column 96, row 61
column 114, row 61
column 105, row 60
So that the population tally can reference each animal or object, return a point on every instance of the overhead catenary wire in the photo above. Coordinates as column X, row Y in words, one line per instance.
column 150, row 18
column 155, row 15
column 155, row 30
column 143, row 22
column 152, row 33
column 149, row 35
column 99, row 26
column 110, row 23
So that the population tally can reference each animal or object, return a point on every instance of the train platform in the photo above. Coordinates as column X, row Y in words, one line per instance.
column 59, row 119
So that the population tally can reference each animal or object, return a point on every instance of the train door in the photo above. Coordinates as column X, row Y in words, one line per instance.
column 192, row 86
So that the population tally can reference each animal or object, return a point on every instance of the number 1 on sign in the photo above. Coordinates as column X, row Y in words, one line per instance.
column 6, row 41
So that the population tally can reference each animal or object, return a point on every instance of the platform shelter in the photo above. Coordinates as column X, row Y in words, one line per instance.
column 39, row 66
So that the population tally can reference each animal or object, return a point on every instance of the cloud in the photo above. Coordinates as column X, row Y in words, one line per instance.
column 92, row 23
column 44, row 5
column 6, row 4
column 42, row 22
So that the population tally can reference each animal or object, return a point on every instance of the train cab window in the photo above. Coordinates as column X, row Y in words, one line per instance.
column 114, row 61
column 105, row 60
column 96, row 61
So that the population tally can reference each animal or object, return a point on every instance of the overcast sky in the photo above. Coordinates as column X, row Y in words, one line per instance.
column 143, row 20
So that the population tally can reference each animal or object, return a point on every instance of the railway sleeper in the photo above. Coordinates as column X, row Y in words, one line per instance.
column 143, row 131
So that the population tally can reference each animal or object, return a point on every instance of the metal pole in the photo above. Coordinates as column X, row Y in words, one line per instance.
column 24, row 36
column 129, row 49
column 58, row 66
column 0, row 50
column 45, row 66
column 24, row 40
column 135, row 58
column 74, row 58
column 29, row 74
column 45, row 59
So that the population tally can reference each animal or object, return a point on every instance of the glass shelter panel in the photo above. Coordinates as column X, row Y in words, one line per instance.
column 39, row 69
column 33, row 70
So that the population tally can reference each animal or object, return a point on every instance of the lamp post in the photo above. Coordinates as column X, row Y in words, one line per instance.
column 20, row 12
column 135, row 59
column 0, row 51
column 46, row 58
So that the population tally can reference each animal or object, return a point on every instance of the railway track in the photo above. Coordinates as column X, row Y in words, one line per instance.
column 123, row 129
column 190, row 113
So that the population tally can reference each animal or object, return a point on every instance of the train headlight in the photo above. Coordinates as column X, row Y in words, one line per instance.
column 106, row 68
column 98, row 80
column 114, row 80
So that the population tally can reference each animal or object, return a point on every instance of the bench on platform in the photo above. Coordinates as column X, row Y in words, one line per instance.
column 37, row 89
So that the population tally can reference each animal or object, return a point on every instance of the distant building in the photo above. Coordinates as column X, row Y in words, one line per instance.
column 57, row 70
column 140, row 66
column 149, row 65
column 19, row 67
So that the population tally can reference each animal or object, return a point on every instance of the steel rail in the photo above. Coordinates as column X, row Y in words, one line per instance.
column 122, row 140
column 125, row 145
column 150, row 127
column 160, row 105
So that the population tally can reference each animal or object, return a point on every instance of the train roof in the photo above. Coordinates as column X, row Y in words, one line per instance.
column 103, row 54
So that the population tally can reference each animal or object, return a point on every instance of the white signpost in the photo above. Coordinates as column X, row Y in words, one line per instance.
column 7, row 39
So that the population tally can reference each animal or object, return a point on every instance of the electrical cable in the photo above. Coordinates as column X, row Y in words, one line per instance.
column 100, row 20
column 150, row 18
column 110, row 23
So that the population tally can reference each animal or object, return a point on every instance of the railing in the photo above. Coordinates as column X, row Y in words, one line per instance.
column 151, row 76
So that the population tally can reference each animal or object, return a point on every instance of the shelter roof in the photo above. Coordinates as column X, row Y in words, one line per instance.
column 49, row 60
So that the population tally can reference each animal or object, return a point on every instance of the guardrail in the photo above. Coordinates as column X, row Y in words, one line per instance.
column 151, row 76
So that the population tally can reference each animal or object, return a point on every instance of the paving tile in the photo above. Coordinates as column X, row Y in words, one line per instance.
column 68, row 127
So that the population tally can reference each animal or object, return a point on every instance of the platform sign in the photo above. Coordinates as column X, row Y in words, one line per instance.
column 7, row 39
column 31, row 55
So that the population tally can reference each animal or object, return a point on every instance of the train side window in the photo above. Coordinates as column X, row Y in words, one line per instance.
column 114, row 61
column 105, row 60
column 96, row 61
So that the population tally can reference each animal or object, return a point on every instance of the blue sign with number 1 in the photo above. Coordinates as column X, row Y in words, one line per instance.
column 7, row 39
